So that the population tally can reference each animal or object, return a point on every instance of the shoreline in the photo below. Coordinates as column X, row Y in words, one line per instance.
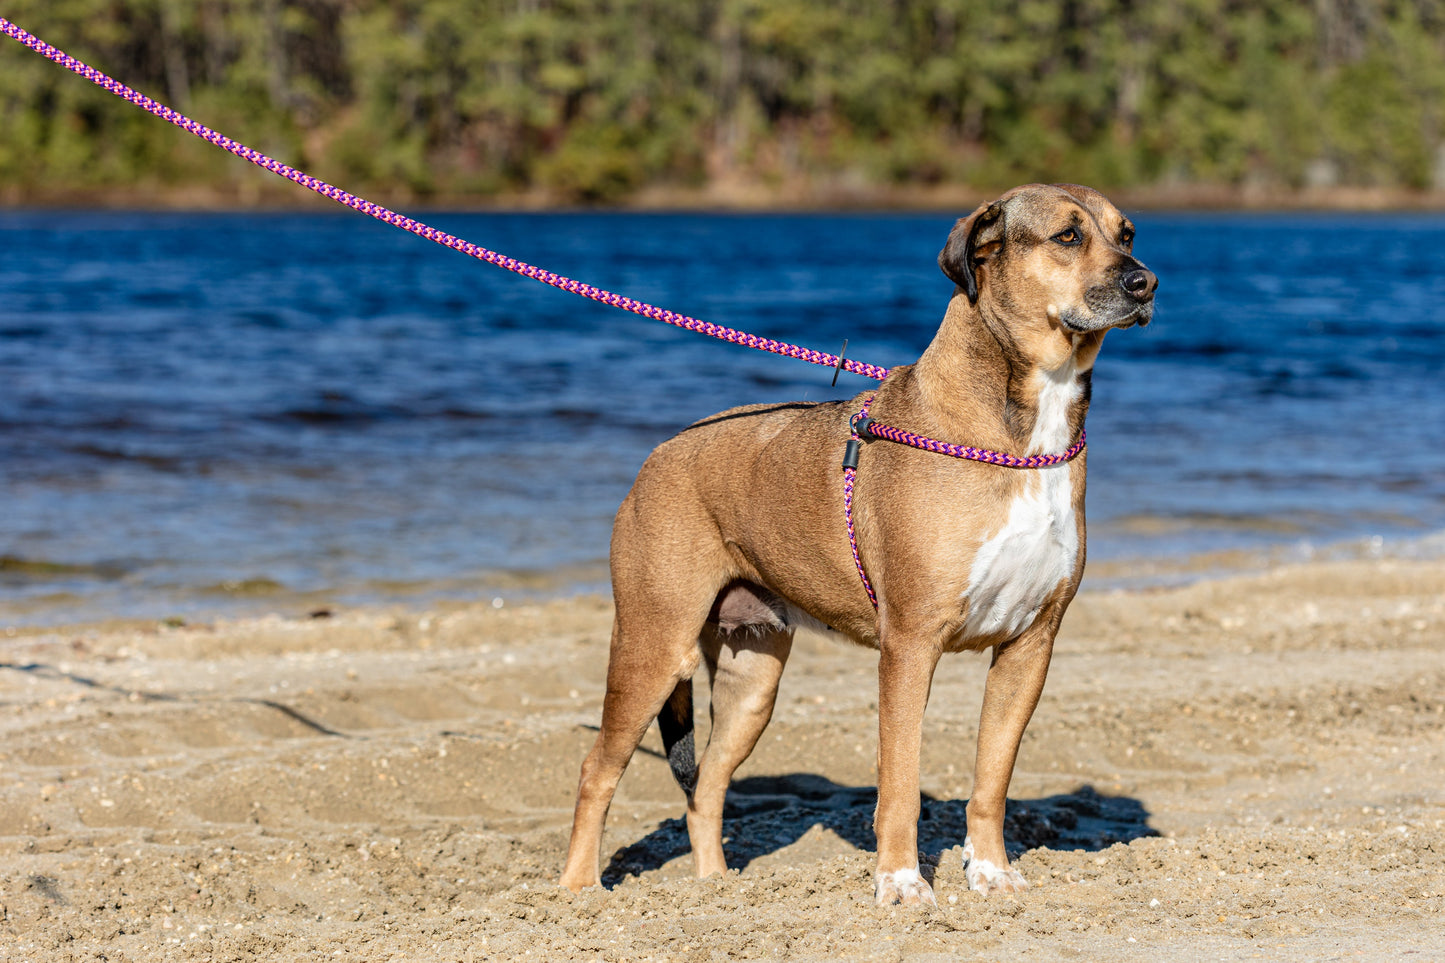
column 114, row 602
column 251, row 196
column 1242, row 767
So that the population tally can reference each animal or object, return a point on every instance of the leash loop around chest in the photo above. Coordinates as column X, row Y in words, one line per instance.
column 861, row 427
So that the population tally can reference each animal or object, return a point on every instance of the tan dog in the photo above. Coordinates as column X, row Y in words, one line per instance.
column 734, row 536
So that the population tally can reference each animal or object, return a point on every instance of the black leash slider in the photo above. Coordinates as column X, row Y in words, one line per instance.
column 860, row 433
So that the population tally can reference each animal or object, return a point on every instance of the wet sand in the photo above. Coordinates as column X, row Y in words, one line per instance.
column 1248, row 768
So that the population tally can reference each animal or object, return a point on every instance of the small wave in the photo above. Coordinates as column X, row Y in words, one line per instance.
column 464, row 414
column 244, row 587
column 158, row 462
column 337, row 409
column 1160, row 525
column 342, row 411
column 16, row 568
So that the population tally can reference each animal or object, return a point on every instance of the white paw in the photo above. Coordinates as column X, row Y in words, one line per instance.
column 903, row 886
column 985, row 877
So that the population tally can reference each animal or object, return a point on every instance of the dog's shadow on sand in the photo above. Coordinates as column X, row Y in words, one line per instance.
column 767, row 813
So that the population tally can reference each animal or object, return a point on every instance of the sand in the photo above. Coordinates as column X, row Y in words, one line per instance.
column 1247, row 768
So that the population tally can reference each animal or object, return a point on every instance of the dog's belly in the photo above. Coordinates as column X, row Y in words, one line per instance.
column 1016, row 570
column 800, row 621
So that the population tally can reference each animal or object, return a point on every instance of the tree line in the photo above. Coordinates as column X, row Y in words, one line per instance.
column 595, row 100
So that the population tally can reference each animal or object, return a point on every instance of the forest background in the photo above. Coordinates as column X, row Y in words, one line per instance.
column 734, row 102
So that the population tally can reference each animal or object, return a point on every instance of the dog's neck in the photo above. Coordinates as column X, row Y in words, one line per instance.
column 984, row 383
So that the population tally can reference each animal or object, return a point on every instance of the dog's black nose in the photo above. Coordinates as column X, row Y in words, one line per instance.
column 1139, row 284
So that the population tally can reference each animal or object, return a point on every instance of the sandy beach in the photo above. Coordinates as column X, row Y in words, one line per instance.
column 1246, row 768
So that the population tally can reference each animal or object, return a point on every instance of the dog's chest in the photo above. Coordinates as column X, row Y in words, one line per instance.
column 1015, row 570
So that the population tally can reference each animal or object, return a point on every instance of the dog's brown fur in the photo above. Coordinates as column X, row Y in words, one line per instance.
column 733, row 536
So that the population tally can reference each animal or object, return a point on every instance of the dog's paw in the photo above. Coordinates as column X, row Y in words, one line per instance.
column 577, row 881
column 903, row 886
column 984, row 877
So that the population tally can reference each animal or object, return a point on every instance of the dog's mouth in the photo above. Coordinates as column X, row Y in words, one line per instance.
column 1141, row 315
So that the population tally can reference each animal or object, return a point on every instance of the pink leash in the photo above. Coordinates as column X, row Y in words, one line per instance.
column 860, row 425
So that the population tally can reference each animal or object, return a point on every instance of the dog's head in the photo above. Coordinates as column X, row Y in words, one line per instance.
column 1054, row 255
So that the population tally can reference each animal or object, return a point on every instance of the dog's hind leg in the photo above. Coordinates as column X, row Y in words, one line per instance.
column 643, row 671
column 745, row 666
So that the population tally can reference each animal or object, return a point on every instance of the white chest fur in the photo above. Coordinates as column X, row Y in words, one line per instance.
column 1018, row 567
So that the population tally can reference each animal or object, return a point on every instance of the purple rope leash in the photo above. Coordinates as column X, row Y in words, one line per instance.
column 860, row 426
column 889, row 433
column 850, row 474
column 432, row 234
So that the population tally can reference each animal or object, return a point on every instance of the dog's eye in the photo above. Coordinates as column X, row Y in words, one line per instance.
column 1069, row 236
column 1126, row 237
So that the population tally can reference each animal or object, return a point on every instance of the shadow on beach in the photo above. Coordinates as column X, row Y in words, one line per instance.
column 767, row 813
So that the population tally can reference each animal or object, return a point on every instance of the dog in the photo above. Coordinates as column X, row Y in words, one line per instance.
column 734, row 535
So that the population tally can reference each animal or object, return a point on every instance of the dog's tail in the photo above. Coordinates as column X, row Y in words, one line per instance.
column 675, row 721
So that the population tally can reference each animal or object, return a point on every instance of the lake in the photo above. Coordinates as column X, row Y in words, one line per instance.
column 202, row 414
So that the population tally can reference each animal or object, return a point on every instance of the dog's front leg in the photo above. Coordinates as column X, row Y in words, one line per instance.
column 905, row 674
column 1015, row 679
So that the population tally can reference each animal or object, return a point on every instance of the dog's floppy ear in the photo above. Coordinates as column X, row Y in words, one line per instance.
column 966, row 248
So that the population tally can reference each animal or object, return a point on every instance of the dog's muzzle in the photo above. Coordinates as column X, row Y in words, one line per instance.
column 1126, row 301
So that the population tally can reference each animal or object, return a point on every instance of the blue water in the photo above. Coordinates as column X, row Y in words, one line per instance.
column 200, row 409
